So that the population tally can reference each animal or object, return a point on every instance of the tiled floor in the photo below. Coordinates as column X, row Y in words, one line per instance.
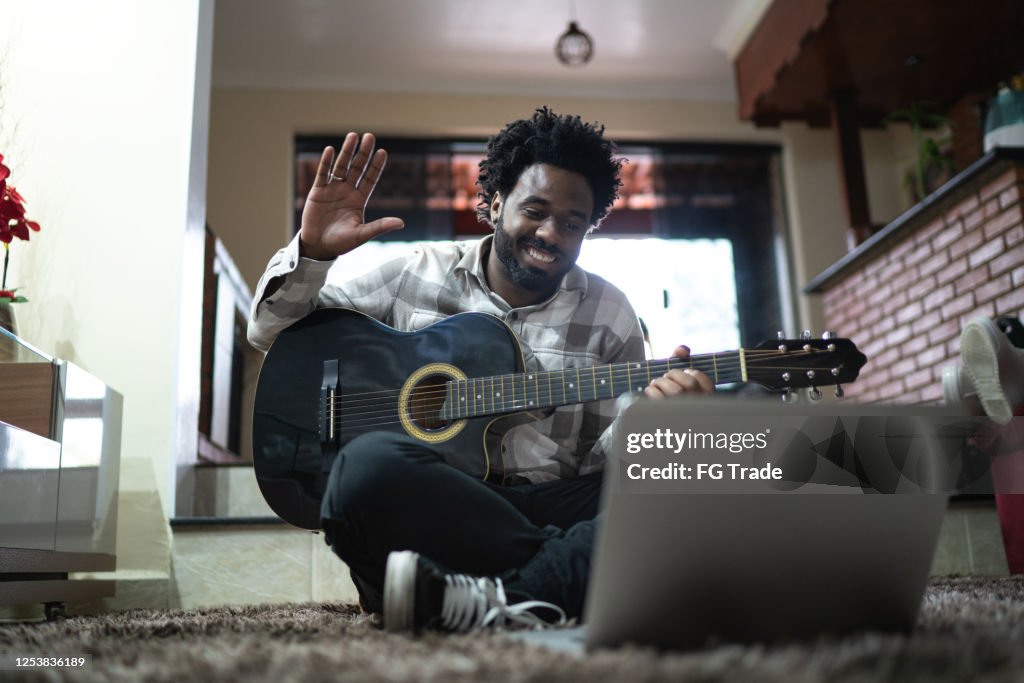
column 221, row 565
column 970, row 541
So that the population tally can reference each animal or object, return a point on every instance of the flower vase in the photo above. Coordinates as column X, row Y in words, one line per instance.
column 8, row 347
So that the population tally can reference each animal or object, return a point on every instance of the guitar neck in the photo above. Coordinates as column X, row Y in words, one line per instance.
column 480, row 396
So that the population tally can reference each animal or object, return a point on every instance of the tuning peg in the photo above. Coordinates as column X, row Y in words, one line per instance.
column 828, row 334
column 814, row 393
column 807, row 335
column 839, row 391
column 788, row 396
column 780, row 335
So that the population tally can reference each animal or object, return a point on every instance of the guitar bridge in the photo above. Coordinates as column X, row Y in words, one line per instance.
column 330, row 387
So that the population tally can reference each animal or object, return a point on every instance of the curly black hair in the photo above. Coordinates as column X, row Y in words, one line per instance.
column 547, row 138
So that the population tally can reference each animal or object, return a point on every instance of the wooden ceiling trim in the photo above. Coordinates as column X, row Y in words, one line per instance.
column 893, row 53
column 774, row 45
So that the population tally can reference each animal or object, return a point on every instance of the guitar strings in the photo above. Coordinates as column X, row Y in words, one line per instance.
column 439, row 396
column 390, row 415
column 617, row 375
column 730, row 357
column 386, row 415
column 586, row 381
column 731, row 363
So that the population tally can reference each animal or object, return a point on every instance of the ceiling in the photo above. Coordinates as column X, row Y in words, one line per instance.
column 659, row 49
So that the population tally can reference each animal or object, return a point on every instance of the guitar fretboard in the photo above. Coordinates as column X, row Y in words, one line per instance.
column 513, row 393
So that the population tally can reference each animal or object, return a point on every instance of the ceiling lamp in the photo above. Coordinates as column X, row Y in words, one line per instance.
column 574, row 47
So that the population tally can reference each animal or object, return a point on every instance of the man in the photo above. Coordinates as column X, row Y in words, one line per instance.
column 402, row 519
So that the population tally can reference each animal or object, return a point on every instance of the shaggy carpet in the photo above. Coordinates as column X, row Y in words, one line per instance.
column 968, row 629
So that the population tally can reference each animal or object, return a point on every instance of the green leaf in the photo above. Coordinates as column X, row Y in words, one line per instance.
column 5, row 300
column 19, row 300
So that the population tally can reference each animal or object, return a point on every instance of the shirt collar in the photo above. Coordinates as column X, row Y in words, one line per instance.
column 473, row 262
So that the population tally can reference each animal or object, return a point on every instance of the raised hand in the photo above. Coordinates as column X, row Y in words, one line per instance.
column 332, row 219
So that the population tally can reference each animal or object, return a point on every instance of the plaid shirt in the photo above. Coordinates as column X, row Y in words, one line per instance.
column 586, row 322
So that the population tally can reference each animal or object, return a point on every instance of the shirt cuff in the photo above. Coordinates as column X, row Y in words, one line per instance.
column 296, row 296
column 298, row 271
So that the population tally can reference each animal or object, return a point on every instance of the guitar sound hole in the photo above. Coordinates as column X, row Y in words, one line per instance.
column 426, row 401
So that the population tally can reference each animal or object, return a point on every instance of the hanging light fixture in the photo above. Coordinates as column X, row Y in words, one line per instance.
column 574, row 47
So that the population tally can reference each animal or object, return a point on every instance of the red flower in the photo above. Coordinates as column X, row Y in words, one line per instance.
column 12, row 215
column 12, row 224
column 11, row 210
column 20, row 230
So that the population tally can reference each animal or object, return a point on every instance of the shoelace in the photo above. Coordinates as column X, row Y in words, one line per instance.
column 477, row 602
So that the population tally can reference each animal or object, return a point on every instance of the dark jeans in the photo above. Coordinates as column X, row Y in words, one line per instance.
column 391, row 492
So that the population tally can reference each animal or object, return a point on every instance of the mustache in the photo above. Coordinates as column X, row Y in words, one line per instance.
column 539, row 246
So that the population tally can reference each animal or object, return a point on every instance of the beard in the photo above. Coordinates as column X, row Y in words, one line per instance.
column 532, row 279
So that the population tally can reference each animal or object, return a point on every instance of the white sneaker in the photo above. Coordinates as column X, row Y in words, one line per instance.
column 420, row 594
column 995, row 368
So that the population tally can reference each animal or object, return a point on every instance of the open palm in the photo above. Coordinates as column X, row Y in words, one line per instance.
column 332, row 219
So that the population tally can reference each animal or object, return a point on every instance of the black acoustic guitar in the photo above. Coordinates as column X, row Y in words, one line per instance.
column 457, row 385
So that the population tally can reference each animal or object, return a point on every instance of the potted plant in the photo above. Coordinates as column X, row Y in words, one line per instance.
column 934, row 164
column 13, row 224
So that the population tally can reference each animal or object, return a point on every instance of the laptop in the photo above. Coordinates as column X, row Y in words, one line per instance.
column 681, row 564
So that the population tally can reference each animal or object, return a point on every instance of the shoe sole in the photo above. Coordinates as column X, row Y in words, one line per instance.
column 400, row 590
column 979, row 347
column 958, row 390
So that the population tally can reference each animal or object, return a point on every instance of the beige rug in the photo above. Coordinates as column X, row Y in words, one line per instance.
column 969, row 629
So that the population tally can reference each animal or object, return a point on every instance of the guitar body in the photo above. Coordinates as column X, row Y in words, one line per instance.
column 380, row 373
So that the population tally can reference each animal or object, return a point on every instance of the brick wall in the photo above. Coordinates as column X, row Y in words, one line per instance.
column 906, row 306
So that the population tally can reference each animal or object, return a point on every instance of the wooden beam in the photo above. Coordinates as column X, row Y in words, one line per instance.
column 846, row 124
column 968, row 129
column 773, row 45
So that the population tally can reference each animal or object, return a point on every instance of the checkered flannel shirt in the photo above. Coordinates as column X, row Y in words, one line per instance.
column 586, row 322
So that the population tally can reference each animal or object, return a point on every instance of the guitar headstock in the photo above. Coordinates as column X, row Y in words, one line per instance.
column 787, row 364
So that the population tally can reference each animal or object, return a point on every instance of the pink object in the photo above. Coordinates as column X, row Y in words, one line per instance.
column 1007, row 473
column 1010, row 507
